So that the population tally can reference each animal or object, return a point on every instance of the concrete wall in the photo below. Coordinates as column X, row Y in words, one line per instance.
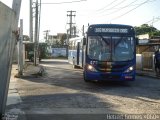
column 56, row 52
column 7, row 25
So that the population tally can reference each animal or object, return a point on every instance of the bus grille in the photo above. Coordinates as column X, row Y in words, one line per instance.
column 105, row 67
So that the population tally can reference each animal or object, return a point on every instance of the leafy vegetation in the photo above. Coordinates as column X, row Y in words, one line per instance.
column 43, row 52
column 146, row 29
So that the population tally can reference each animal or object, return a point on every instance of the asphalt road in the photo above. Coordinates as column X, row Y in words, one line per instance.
column 63, row 94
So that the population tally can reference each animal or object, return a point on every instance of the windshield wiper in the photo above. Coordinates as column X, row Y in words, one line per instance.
column 105, row 40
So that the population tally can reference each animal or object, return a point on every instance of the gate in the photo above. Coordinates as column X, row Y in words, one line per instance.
column 147, row 61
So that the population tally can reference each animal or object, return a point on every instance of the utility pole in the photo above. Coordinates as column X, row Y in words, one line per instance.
column 20, row 50
column 36, row 35
column 152, row 28
column 46, row 34
column 31, row 22
column 39, row 19
column 71, row 14
column 35, row 18
column 83, row 31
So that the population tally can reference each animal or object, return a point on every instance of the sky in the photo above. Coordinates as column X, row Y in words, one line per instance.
column 54, row 16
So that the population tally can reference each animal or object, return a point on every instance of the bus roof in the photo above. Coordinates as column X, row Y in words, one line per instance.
column 111, row 25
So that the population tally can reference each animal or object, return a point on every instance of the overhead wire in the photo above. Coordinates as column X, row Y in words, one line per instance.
column 66, row 2
column 117, row 10
column 120, row 8
column 102, row 10
column 111, row 8
column 130, row 10
column 153, row 20
column 107, row 5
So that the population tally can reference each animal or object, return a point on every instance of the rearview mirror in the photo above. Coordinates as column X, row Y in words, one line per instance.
column 84, row 41
column 137, row 40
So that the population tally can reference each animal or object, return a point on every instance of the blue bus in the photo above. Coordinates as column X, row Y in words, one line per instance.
column 76, row 51
column 107, row 52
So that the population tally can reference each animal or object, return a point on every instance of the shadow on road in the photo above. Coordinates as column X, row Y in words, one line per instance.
column 61, row 74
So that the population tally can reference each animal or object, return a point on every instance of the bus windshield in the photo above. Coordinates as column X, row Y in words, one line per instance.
column 108, row 48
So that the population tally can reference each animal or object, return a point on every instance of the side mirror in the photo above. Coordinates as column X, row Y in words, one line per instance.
column 84, row 41
column 137, row 41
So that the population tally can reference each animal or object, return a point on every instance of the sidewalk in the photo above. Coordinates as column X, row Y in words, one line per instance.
column 29, row 71
column 13, row 97
column 13, row 100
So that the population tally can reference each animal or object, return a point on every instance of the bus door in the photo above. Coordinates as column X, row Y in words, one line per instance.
column 78, row 52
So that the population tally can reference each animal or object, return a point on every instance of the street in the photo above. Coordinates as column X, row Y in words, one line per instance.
column 62, row 93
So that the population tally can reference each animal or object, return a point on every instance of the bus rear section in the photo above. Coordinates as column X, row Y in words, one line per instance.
column 75, row 52
column 110, row 53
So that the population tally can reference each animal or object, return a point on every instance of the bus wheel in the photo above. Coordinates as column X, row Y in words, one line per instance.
column 85, row 79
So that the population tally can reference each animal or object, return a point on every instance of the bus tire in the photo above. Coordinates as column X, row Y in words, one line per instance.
column 85, row 79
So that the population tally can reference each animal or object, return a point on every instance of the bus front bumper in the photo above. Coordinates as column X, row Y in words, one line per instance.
column 109, row 76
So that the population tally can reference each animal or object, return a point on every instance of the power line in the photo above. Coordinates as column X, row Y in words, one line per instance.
column 117, row 10
column 66, row 2
column 130, row 10
column 130, row 5
column 107, row 5
column 114, row 6
column 99, row 11
column 153, row 20
column 156, row 20
column 102, row 10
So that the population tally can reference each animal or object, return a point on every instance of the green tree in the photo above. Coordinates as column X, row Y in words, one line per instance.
column 63, row 38
column 146, row 29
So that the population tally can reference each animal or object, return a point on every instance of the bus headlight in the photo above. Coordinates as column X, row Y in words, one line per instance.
column 91, row 68
column 130, row 69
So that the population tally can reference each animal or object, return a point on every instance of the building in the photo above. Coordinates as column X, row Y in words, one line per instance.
column 56, row 39
column 145, row 52
column 147, row 44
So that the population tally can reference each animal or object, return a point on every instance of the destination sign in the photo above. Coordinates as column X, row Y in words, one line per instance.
column 111, row 30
